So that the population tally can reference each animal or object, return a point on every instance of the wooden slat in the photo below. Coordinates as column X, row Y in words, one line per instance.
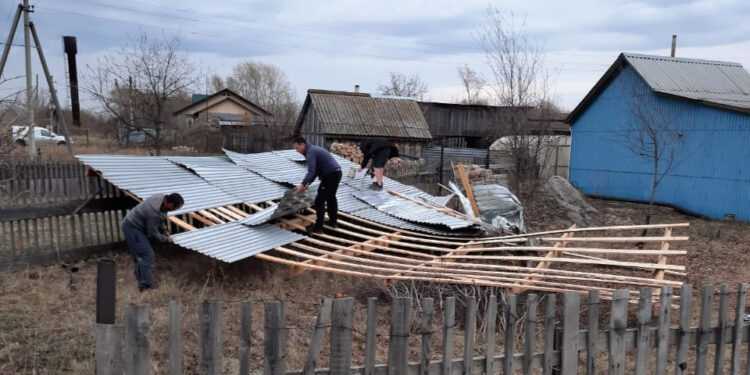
column 181, row 223
column 701, row 348
column 370, row 336
column 572, row 309
column 545, row 263
column 274, row 340
column 223, row 215
column 593, row 332
column 720, row 354
column 398, row 349
column 617, row 327
column 530, row 342
column 686, row 296
column 322, row 322
column 108, row 353
column 739, row 323
column 449, row 323
column 470, row 331
column 202, row 219
column 425, row 327
column 509, row 315
column 491, row 332
column 662, row 258
column 342, row 318
column 613, row 263
column 464, row 180
column 230, row 213
column 644, row 334
column 211, row 353
column 174, row 338
column 246, row 336
column 662, row 351
column 616, row 239
column 211, row 217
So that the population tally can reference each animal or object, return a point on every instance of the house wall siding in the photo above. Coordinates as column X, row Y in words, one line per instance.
column 709, row 176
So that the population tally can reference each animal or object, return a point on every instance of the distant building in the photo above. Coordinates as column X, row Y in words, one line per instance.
column 336, row 116
column 706, row 104
column 223, row 108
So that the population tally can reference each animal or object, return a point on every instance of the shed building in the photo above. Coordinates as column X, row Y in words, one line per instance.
column 701, row 111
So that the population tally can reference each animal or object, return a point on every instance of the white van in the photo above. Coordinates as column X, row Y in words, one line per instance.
column 41, row 135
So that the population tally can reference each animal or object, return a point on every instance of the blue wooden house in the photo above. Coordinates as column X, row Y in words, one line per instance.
column 697, row 113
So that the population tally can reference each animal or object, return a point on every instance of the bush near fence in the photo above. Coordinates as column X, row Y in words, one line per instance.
column 552, row 339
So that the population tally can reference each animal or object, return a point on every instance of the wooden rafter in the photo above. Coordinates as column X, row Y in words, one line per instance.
column 545, row 263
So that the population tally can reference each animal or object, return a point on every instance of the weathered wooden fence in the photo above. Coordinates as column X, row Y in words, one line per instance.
column 25, row 184
column 55, row 237
column 548, row 339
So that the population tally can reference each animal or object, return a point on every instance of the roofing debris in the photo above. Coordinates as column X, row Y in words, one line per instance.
column 401, row 233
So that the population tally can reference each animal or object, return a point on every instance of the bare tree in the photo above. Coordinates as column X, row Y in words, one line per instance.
column 402, row 85
column 141, row 84
column 520, row 82
column 9, row 112
column 265, row 85
column 473, row 85
column 652, row 136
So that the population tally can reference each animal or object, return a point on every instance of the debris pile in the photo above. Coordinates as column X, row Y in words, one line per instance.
column 571, row 200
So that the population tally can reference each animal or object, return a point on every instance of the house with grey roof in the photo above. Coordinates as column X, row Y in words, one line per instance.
column 340, row 116
column 698, row 116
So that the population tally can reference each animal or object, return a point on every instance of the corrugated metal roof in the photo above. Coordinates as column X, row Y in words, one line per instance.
column 231, row 242
column 372, row 214
column 410, row 211
column 239, row 182
column 273, row 165
column 145, row 176
column 365, row 116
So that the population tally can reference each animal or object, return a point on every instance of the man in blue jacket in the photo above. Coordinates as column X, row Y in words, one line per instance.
column 320, row 164
column 141, row 225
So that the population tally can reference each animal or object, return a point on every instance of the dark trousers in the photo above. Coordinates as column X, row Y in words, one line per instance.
column 326, row 198
column 142, row 253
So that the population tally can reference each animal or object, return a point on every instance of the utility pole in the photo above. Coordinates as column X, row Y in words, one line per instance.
column 674, row 44
column 29, row 92
column 24, row 10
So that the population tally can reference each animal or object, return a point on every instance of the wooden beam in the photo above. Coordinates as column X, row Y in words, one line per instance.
column 201, row 219
column 362, row 246
column 230, row 213
column 587, row 229
column 463, row 178
column 222, row 215
column 615, row 239
column 237, row 211
column 211, row 216
column 663, row 258
column 180, row 223
column 546, row 263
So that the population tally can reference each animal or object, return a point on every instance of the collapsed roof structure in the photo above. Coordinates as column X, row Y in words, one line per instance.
column 234, row 210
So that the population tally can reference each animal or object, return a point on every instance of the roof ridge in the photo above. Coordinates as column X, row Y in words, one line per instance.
column 682, row 60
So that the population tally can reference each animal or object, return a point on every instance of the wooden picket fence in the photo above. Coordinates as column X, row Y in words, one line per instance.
column 24, row 183
column 552, row 341
column 40, row 240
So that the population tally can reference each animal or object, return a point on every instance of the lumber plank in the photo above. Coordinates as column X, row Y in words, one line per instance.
column 316, row 341
column 616, row 239
column 545, row 263
column 662, row 257
column 180, row 223
column 585, row 229
column 461, row 175
column 211, row 216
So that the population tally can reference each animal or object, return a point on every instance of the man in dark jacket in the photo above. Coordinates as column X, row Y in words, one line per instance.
column 320, row 164
column 141, row 225
column 379, row 151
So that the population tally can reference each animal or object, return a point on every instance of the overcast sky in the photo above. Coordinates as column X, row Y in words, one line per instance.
column 336, row 44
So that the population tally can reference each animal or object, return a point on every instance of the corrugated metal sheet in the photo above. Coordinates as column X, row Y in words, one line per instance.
column 365, row 116
column 274, row 166
column 723, row 83
column 372, row 214
column 145, row 176
column 239, row 182
column 410, row 211
column 231, row 242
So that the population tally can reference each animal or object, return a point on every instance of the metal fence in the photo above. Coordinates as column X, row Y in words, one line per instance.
column 544, row 338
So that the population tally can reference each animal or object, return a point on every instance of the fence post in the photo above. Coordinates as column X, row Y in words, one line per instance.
column 449, row 324
column 370, row 343
column 211, row 340
column 644, row 318
column 341, row 336
column 686, row 296
column 137, row 358
column 510, row 334
column 175, row 339
column 321, row 323
column 723, row 324
column 108, row 353
column 246, row 331
column 470, row 330
column 274, row 340
column 593, row 332
column 549, row 334
column 704, row 331
column 529, row 344
column 398, row 345
column 739, row 324
column 425, row 327
column 572, row 310
column 491, row 327
column 617, row 325
column 106, row 291
column 665, row 307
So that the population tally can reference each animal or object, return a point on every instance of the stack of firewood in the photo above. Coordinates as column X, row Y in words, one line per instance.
column 347, row 150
